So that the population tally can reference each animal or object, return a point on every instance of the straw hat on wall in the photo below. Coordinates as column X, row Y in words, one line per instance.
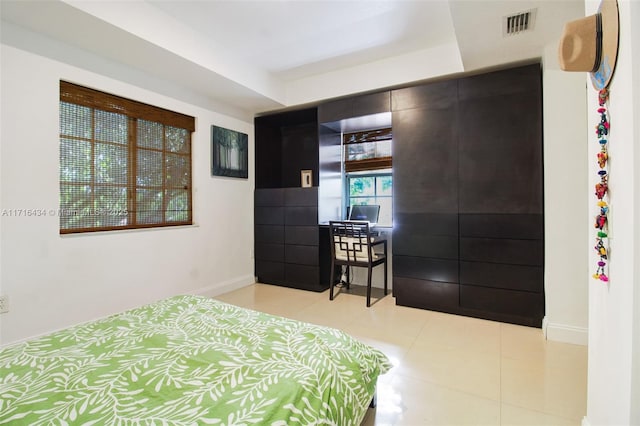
column 590, row 44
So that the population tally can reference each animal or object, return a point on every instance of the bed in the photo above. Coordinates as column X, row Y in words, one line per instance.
column 189, row 360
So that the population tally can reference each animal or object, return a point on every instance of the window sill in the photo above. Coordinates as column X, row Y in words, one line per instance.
column 126, row 231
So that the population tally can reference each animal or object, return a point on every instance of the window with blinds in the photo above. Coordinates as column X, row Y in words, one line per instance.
column 367, row 150
column 367, row 166
column 123, row 164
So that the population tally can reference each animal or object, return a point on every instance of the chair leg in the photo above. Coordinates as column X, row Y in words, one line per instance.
column 369, row 273
column 331, row 280
column 348, row 283
column 385, row 277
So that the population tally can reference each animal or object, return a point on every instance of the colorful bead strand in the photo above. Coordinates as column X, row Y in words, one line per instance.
column 602, row 189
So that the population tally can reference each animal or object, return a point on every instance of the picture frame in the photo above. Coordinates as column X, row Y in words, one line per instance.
column 306, row 178
column 229, row 153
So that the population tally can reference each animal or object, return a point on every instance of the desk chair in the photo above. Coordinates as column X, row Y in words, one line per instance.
column 353, row 245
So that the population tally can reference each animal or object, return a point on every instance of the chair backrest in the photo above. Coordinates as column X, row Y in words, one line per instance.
column 351, row 241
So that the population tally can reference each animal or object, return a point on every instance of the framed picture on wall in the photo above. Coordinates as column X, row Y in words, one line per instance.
column 229, row 153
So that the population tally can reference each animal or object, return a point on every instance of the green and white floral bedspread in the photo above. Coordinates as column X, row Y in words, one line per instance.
column 189, row 360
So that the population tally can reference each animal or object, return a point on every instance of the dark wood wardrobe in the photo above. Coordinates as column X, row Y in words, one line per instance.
column 468, row 231
column 468, row 234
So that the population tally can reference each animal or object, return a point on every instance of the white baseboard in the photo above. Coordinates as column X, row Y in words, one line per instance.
column 565, row 333
column 225, row 287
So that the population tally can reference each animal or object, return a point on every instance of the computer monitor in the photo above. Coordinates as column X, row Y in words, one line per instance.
column 367, row 213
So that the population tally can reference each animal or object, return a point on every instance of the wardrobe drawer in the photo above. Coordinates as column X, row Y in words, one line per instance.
column 302, row 275
column 269, row 234
column 516, row 252
column 301, row 196
column 441, row 270
column 301, row 235
column 408, row 243
column 426, row 294
column 494, row 300
column 512, row 226
column 302, row 255
column 511, row 277
column 269, row 215
column 269, row 272
column 269, row 197
column 301, row 216
column 271, row 252
column 426, row 223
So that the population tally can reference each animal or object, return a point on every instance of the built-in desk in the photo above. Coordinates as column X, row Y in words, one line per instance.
column 358, row 276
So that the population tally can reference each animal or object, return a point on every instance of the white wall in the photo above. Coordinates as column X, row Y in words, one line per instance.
column 47, row 291
column 614, row 356
column 388, row 72
column 566, row 221
column 54, row 281
column 634, row 16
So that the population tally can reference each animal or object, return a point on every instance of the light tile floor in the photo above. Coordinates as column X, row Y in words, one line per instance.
column 448, row 369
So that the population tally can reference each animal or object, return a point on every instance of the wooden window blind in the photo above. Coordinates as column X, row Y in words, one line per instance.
column 367, row 150
column 123, row 164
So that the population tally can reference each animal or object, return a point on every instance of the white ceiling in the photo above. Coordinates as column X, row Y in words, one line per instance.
column 268, row 54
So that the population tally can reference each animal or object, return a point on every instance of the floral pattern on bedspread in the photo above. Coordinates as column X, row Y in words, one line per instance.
column 189, row 360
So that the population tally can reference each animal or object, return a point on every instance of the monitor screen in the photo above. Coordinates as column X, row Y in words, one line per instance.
column 367, row 213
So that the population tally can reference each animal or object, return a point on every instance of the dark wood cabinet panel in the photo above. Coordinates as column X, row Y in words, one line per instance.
column 441, row 270
column 500, row 83
column 372, row 103
column 302, row 235
column 511, row 277
column 268, row 164
column 500, row 155
column 269, row 272
column 301, row 196
column 510, row 302
column 269, row 197
column 426, row 235
column 270, row 252
column 303, row 276
column 408, row 242
column 514, row 226
column 442, row 95
column 300, row 216
column 300, row 151
column 269, row 215
column 301, row 255
column 426, row 294
column 494, row 250
column 426, row 223
column 354, row 106
column 425, row 161
column 285, row 143
column 336, row 110
column 269, row 234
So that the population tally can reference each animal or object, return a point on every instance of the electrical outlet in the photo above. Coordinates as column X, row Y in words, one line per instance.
column 4, row 304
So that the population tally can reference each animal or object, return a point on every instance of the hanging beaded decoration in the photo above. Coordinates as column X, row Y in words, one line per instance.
column 602, row 189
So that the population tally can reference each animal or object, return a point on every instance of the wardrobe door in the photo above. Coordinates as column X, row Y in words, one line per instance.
column 501, row 196
column 425, row 182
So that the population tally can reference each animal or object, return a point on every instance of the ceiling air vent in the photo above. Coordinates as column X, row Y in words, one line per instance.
column 518, row 22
